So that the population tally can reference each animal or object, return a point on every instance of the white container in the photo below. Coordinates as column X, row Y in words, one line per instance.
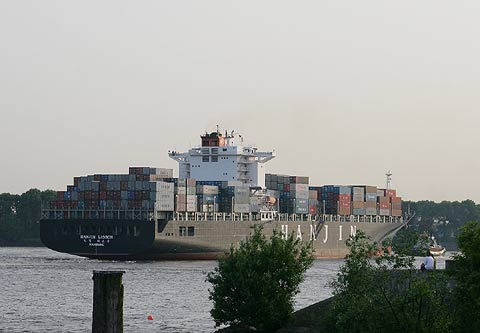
column 241, row 208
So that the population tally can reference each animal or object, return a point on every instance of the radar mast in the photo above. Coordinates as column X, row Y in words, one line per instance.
column 389, row 180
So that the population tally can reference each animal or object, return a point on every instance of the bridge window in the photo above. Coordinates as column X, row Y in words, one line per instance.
column 191, row 231
column 214, row 158
column 205, row 158
column 182, row 231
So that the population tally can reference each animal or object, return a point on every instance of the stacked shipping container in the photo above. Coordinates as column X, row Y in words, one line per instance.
column 336, row 200
column 186, row 199
column 146, row 188
column 142, row 189
column 293, row 192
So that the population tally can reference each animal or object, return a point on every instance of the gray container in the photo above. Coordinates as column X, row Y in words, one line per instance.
column 358, row 197
column 344, row 190
column 162, row 172
column 207, row 189
column 358, row 211
column 241, row 208
column 384, row 212
column 299, row 194
column 165, row 204
column 371, row 197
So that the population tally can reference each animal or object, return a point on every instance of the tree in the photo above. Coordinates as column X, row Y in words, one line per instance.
column 386, row 293
column 254, row 285
column 467, row 277
column 19, row 215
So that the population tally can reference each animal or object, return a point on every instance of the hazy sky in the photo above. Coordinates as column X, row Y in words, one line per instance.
column 342, row 90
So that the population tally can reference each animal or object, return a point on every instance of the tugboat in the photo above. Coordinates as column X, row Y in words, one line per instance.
column 435, row 248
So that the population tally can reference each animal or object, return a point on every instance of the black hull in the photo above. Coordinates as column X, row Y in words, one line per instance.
column 117, row 240
column 99, row 239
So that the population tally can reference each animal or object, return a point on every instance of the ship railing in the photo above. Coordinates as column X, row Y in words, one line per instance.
column 149, row 214
column 97, row 214
column 283, row 217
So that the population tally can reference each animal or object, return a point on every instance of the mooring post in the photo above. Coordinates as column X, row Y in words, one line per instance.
column 107, row 302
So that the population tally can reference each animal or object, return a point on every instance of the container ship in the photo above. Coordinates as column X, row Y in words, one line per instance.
column 221, row 192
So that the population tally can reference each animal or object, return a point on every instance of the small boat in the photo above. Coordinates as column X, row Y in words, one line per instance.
column 435, row 248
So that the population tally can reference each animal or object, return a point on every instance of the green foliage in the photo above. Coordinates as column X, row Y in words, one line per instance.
column 467, row 277
column 408, row 242
column 255, row 284
column 442, row 219
column 19, row 214
column 386, row 293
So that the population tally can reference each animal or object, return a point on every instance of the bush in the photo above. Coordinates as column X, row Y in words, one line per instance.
column 467, row 277
column 254, row 286
column 386, row 293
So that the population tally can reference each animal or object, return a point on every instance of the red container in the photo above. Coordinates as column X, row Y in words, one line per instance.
column 60, row 195
column 88, row 195
column 313, row 210
column 97, row 177
column 116, row 195
column 102, row 195
column 396, row 200
column 396, row 212
column 286, row 187
column 384, row 200
column 390, row 193
column 344, row 204
column 384, row 205
column 94, row 195
column 345, row 197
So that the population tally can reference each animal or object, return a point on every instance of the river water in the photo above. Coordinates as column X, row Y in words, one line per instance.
column 45, row 291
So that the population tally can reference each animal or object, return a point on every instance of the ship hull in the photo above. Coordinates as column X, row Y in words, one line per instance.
column 193, row 240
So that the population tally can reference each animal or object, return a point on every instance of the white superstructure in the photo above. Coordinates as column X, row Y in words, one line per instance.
column 223, row 158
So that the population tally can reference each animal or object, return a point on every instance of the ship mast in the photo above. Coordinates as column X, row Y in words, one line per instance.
column 389, row 180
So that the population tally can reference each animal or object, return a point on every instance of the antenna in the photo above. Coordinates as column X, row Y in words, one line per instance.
column 389, row 180
column 218, row 129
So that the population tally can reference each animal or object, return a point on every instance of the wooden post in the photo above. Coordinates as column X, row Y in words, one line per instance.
column 107, row 302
